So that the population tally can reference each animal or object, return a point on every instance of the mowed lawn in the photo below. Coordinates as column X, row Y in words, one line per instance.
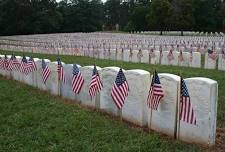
column 32, row 120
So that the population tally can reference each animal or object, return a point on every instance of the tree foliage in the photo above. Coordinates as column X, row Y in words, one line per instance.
column 48, row 16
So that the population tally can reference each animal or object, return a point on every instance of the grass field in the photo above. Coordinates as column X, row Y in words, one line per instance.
column 33, row 120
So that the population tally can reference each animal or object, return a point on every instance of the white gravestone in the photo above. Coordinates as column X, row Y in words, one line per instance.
column 145, row 58
column 119, row 55
column 66, row 88
column 101, row 53
column 175, row 60
column 209, row 63
column 164, row 59
column 108, row 78
column 2, row 71
column 221, row 62
column 196, row 60
column 84, row 94
column 155, row 58
column 186, row 59
column 135, row 57
column 8, row 73
column 40, row 83
column 203, row 93
column 126, row 55
column 112, row 54
column 164, row 119
column 16, row 73
column 35, row 73
column 135, row 108
column 28, row 78
column 53, row 84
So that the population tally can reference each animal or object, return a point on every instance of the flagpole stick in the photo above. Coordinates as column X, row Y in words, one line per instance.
column 59, row 82
column 150, row 120
column 120, row 110
column 177, row 127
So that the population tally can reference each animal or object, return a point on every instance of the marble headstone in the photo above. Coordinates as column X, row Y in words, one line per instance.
column 126, row 55
column 164, row 59
column 145, row 58
column 175, row 60
column 108, row 78
column 135, row 108
column 66, row 88
column 164, row 118
column 16, row 74
column 135, row 57
column 221, row 63
column 185, row 62
column 209, row 63
column 84, row 94
column 40, row 83
column 196, row 60
column 203, row 93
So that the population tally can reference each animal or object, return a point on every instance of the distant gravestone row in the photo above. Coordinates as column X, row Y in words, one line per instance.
column 203, row 93
column 214, row 59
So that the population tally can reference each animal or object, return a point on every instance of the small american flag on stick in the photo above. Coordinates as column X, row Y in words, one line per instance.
column 181, row 57
column 10, row 66
column 77, row 80
column 60, row 70
column 95, row 84
column 212, row 54
column 45, row 71
column 1, row 62
column 23, row 67
column 170, row 55
column 187, row 113
column 120, row 89
column 155, row 93
column 16, row 64
column 31, row 66
column 5, row 62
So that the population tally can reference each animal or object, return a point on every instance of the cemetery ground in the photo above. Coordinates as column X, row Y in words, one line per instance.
column 33, row 120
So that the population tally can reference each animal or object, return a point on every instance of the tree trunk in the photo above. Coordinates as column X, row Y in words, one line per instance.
column 182, row 33
column 161, row 32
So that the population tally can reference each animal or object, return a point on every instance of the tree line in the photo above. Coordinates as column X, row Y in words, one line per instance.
column 48, row 16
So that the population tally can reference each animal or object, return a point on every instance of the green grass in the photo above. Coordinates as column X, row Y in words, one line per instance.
column 31, row 120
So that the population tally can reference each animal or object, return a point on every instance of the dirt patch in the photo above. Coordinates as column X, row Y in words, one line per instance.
column 220, row 141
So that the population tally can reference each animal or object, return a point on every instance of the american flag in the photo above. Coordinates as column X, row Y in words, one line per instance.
column 212, row 54
column 170, row 55
column 191, row 56
column 1, row 62
column 5, row 62
column 23, row 67
column 155, row 93
column 95, row 84
column 152, row 53
column 61, row 72
column 16, row 64
column 10, row 65
column 31, row 65
column 187, row 113
column 77, row 80
column 45, row 71
column 120, row 89
column 181, row 57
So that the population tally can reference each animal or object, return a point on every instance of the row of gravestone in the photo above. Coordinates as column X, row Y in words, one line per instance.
column 203, row 93
column 189, row 60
